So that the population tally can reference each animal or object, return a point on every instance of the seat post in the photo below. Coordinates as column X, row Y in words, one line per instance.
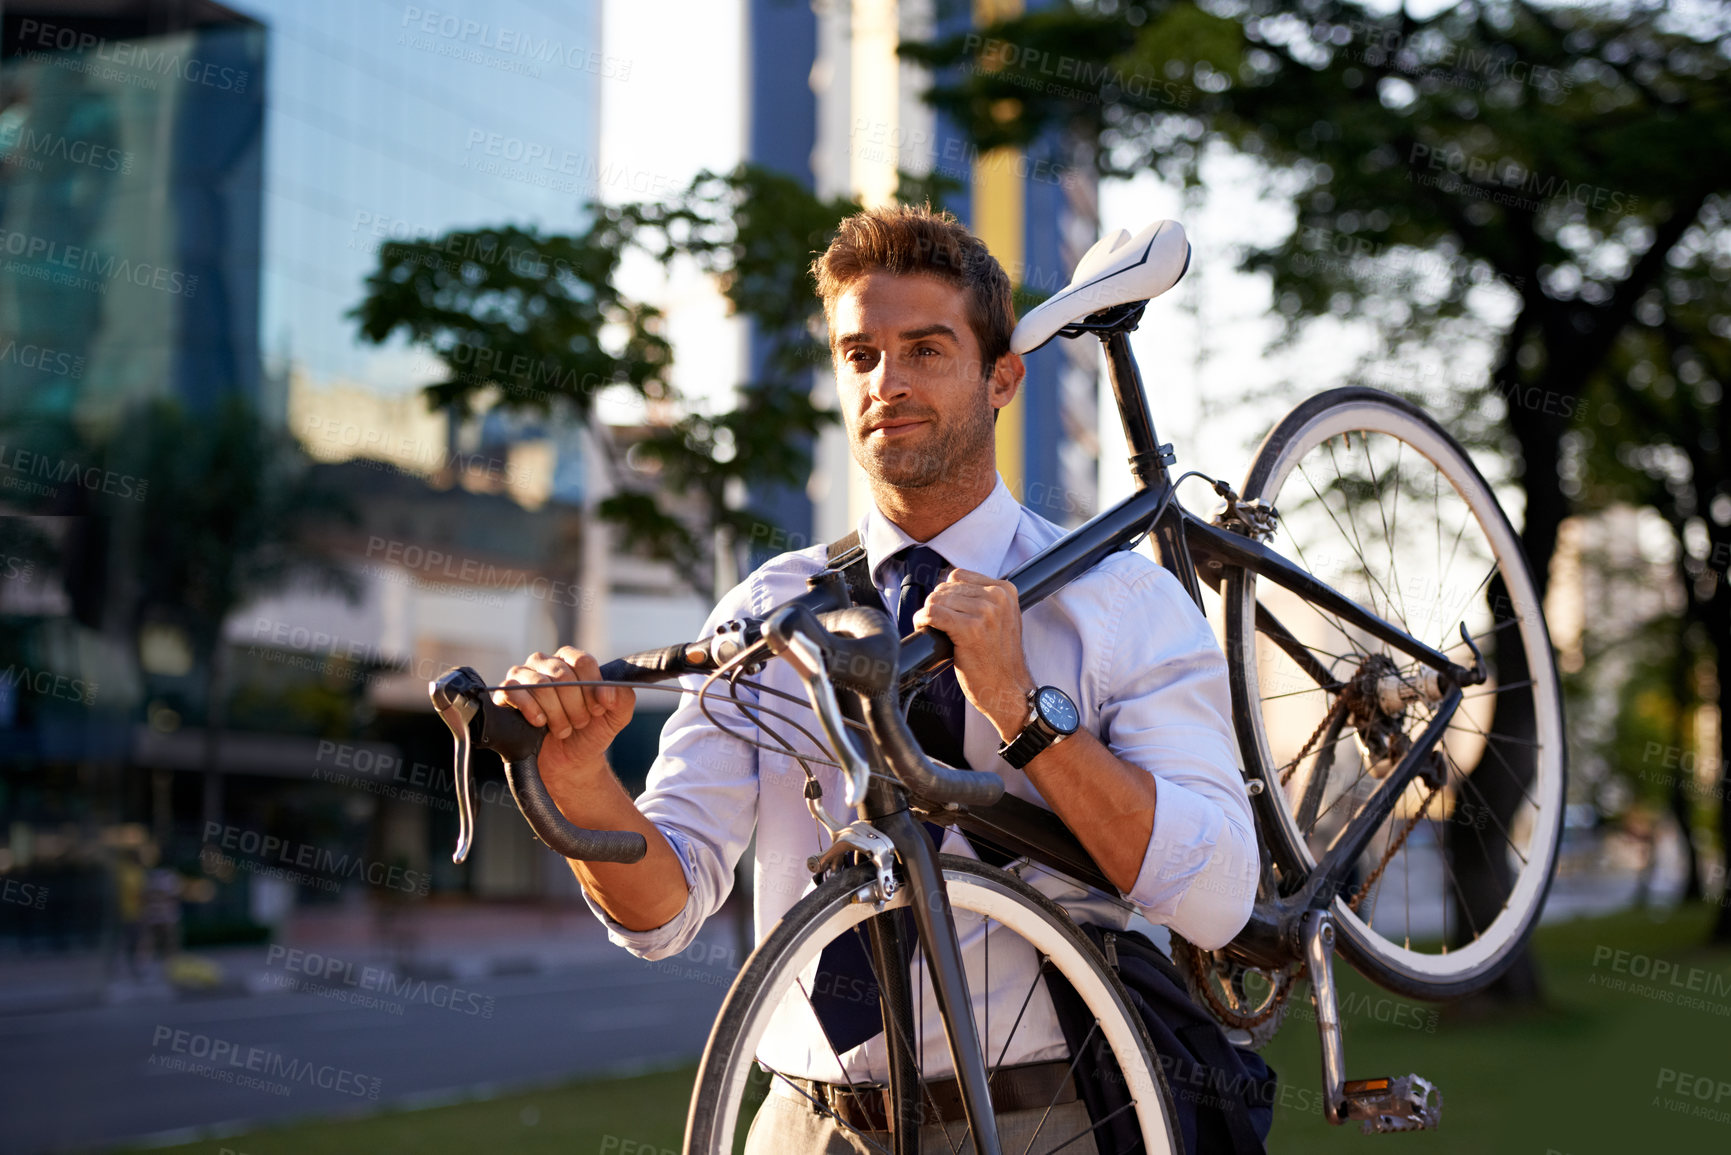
column 1147, row 460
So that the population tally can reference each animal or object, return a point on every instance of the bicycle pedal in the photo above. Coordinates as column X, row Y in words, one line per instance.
column 1409, row 1103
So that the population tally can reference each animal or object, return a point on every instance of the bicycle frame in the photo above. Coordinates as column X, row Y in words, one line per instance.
column 1282, row 928
column 1184, row 544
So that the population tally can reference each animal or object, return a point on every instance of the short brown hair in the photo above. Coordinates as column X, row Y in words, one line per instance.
column 902, row 239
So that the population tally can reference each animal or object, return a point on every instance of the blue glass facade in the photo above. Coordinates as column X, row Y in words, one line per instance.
column 130, row 210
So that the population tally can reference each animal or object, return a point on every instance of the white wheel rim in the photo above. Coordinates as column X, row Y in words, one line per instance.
column 1548, row 767
column 976, row 895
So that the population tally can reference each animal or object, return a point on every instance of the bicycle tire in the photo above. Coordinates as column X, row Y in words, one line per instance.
column 725, row 1073
column 1453, row 971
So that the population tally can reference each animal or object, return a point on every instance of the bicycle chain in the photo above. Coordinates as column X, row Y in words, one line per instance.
column 1327, row 720
column 1393, row 849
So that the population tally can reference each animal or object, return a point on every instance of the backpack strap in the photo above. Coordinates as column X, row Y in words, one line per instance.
column 847, row 556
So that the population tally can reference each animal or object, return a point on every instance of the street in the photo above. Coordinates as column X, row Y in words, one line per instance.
column 95, row 1076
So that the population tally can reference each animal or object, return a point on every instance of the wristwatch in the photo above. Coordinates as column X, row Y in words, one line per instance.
column 1052, row 717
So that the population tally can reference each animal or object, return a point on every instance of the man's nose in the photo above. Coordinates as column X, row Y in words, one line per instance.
column 889, row 382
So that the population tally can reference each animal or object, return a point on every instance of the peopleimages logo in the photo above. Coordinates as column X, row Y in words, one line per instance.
column 42, row 359
column 43, row 36
column 22, row 463
column 512, row 42
column 317, row 859
column 21, row 139
column 85, row 268
column 227, row 1061
column 369, row 986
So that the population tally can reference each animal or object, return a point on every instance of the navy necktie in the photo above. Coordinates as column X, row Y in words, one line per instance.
column 936, row 713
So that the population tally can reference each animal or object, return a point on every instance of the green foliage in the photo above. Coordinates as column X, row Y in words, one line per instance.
column 508, row 311
column 533, row 322
column 1442, row 171
column 1544, row 186
column 1663, row 431
column 757, row 232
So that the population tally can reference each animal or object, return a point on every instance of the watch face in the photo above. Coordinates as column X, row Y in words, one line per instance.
column 1056, row 710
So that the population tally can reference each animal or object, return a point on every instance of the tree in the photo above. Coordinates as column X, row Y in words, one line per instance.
column 1668, row 450
column 531, row 322
column 1497, row 173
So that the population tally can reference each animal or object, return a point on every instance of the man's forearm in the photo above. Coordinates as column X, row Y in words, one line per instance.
column 1106, row 801
column 641, row 895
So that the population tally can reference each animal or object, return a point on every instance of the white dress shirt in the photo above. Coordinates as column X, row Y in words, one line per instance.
column 1132, row 651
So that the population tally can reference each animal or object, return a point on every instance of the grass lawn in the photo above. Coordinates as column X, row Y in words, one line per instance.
column 1615, row 1063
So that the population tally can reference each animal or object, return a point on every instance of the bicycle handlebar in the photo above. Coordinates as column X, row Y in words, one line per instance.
column 863, row 654
column 860, row 652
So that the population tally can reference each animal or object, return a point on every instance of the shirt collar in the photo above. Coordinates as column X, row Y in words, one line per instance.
column 979, row 540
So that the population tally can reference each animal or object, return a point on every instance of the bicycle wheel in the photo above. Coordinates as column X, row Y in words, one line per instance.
column 772, row 991
column 1378, row 501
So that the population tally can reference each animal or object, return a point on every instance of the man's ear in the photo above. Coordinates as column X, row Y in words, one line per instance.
column 1006, row 380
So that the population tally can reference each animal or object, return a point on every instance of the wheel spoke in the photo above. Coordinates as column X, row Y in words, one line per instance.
column 1388, row 536
column 1093, row 1029
column 1473, row 728
column 1498, row 690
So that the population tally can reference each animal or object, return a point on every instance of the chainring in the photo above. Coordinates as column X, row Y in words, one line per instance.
column 1219, row 985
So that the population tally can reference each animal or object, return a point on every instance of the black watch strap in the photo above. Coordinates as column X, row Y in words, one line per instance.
column 1022, row 749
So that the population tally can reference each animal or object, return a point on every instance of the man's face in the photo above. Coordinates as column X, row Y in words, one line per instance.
column 915, row 395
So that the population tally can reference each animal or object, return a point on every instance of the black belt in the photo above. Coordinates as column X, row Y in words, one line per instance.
column 1031, row 1086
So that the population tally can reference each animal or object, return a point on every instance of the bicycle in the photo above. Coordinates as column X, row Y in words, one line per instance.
column 1312, row 665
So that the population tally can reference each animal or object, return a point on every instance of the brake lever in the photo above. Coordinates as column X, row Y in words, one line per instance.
column 452, row 697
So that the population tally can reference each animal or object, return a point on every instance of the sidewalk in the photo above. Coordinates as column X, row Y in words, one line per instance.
column 429, row 940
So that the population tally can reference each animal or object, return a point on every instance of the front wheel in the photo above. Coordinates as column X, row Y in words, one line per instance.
column 1379, row 502
column 761, row 1045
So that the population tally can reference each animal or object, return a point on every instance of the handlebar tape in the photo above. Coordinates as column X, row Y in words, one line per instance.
column 507, row 733
column 648, row 666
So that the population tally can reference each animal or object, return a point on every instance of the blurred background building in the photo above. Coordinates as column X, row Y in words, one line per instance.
column 191, row 197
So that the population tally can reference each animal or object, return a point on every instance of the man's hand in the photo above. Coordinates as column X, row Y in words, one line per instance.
column 581, row 721
column 983, row 618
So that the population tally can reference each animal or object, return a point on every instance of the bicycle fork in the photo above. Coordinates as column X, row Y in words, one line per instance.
column 937, row 933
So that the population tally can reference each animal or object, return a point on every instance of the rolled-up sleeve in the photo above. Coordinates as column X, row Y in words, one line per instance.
column 702, row 795
column 1166, row 707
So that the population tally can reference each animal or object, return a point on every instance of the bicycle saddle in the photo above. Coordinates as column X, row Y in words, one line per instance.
column 1116, row 271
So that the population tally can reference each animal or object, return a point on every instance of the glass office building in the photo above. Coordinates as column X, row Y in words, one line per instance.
column 192, row 195
column 131, row 164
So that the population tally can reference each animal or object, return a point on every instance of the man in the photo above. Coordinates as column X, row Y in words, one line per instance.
column 920, row 318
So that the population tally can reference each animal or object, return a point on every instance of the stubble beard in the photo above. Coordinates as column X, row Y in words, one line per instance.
column 944, row 453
